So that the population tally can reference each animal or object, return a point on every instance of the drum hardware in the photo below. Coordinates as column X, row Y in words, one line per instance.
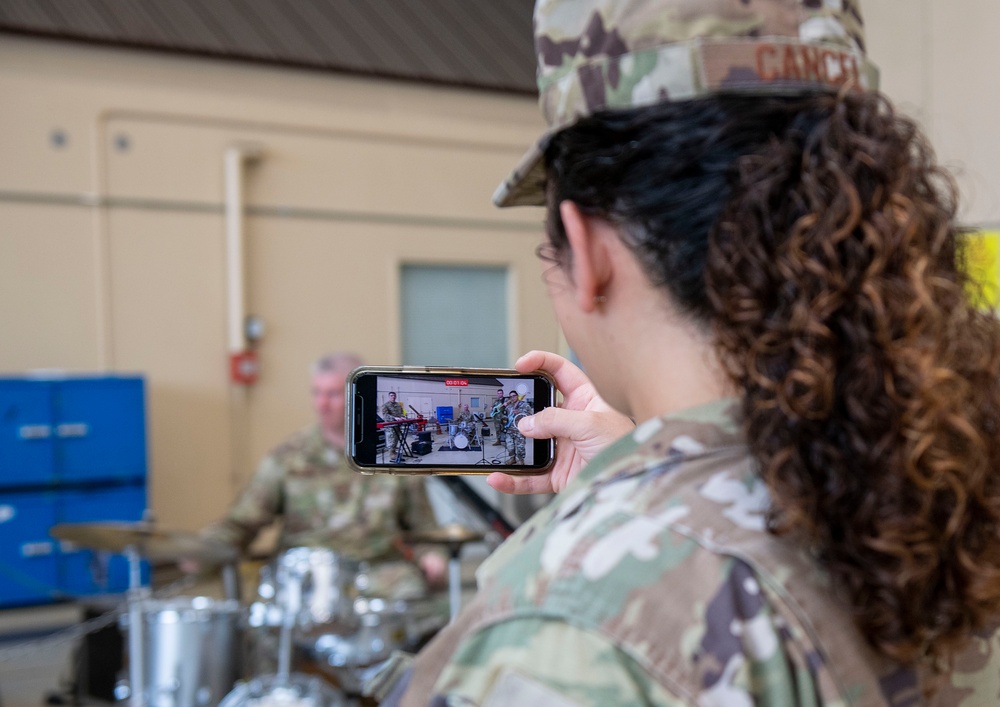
column 452, row 536
column 143, row 540
column 291, row 586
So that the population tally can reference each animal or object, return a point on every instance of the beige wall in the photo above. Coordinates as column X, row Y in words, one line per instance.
column 112, row 245
column 938, row 64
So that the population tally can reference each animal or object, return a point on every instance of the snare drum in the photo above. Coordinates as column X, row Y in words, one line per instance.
column 315, row 585
column 191, row 650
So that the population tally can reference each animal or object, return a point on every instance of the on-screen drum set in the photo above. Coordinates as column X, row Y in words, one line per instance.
column 312, row 611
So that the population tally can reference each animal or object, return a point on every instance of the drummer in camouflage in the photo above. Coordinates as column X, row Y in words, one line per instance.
column 306, row 483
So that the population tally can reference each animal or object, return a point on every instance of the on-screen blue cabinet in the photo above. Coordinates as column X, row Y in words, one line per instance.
column 72, row 450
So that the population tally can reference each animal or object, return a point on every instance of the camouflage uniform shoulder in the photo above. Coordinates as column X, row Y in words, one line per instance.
column 676, row 509
column 305, row 443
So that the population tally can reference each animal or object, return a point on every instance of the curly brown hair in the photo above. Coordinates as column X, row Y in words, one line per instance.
column 870, row 383
column 816, row 236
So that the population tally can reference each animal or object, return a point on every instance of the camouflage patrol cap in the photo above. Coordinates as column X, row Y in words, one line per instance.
column 606, row 54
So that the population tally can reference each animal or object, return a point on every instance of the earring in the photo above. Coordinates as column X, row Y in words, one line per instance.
column 600, row 299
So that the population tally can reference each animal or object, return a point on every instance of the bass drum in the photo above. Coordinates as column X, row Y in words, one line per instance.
column 461, row 441
column 294, row 690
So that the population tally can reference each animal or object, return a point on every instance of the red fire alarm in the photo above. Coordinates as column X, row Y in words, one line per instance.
column 244, row 367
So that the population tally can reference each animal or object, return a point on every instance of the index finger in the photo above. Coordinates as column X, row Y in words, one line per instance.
column 567, row 375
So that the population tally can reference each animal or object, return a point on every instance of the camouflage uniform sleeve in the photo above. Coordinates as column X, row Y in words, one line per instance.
column 257, row 507
column 536, row 660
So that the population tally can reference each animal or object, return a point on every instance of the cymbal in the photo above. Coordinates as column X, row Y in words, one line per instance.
column 451, row 534
column 149, row 542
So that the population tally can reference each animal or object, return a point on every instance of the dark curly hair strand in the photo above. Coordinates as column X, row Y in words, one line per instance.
column 816, row 236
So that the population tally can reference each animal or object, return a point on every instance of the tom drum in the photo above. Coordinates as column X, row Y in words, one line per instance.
column 315, row 585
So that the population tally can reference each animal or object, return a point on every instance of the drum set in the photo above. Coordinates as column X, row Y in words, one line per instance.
column 463, row 435
column 311, row 637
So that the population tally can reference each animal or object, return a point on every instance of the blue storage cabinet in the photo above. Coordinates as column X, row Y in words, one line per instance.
column 29, row 560
column 72, row 450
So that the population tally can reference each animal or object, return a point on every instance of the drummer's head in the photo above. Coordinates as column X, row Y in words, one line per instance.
column 392, row 397
column 329, row 375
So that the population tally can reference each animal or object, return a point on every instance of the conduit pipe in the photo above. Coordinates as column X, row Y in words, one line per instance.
column 235, row 160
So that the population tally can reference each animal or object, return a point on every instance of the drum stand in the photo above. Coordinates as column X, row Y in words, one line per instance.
column 453, row 537
column 285, row 647
column 135, row 596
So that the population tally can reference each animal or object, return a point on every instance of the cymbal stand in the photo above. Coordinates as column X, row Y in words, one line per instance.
column 232, row 587
column 285, row 648
column 136, row 659
column 292, row 607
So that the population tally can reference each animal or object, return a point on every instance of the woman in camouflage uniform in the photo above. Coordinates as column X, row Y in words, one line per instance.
column 755, row 257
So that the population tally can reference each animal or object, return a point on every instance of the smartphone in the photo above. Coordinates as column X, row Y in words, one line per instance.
column 430, row 420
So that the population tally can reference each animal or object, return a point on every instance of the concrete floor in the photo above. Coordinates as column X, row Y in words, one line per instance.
column 28, row 676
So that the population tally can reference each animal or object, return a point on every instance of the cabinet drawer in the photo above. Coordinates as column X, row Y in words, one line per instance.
column 27, row 433
column 28, row 556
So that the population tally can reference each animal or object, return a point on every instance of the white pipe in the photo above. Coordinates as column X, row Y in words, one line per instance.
column 234, row 160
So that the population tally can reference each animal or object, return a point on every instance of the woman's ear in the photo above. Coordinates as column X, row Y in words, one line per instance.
column 590, row 265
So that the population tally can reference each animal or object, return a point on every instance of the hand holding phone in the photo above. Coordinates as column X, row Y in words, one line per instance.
column 583, row 426
column 430, row 420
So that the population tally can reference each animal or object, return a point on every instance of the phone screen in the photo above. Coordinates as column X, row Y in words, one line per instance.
column 445, row 421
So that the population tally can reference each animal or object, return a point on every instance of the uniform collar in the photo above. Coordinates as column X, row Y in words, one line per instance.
column 686, row 434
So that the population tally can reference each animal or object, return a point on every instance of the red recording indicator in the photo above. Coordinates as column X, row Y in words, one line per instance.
column 456, row 381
